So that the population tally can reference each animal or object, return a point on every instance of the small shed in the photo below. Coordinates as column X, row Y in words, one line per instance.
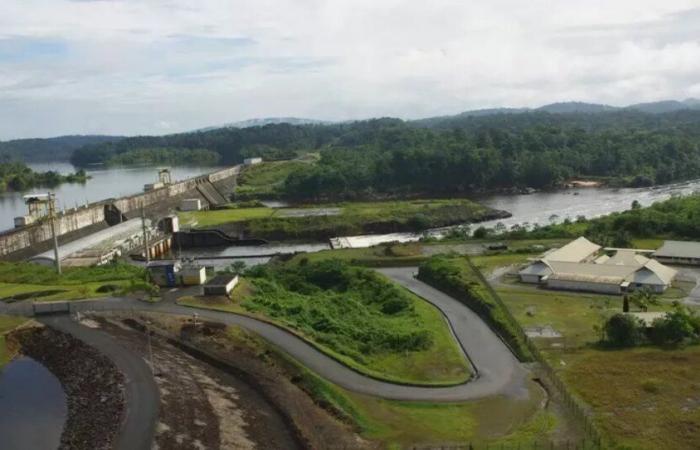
column 164, row 273
column 221, row 285
column 252, row 161
column 193, row 276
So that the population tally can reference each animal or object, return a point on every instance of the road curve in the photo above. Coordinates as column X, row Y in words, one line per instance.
column 499, row 372
column 141, row 392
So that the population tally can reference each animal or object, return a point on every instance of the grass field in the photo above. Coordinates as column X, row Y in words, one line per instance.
column 7, row 324
column 41, row 283
column 346, row 219
column 370, row 324
column 642, row 398
column 263, row 180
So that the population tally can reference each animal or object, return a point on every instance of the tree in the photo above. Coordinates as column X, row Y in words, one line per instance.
column 624, row 330
column 236, row 268
column 675, row 327
column 643, row 299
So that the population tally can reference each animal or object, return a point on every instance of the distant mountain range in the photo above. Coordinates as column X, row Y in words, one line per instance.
column 659, row 107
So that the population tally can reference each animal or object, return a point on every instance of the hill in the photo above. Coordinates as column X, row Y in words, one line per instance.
column 50, row 149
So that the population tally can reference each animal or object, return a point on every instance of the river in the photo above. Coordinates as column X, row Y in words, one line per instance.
column 33, row 406
column 538, row 208
column 105, row 183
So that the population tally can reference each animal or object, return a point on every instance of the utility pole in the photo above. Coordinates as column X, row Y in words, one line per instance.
column 52, row 221
column 145, row 234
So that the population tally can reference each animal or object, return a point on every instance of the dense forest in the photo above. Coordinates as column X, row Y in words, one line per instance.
column 19, row 177
column 454, row 154
column 173, row 156
column 50, row 149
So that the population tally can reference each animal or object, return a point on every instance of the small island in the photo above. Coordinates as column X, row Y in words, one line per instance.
column 16, row 176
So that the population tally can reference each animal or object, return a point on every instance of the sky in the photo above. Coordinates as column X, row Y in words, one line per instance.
column 129, row 67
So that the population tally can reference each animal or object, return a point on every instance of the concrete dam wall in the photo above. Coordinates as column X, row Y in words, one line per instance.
column 113, row 211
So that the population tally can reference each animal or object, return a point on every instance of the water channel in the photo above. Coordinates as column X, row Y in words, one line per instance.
column 33, row 406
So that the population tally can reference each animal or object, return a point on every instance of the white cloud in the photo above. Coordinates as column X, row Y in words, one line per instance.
column 130, row 66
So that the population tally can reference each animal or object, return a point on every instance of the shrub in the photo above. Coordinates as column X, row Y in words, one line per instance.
column 672, row 329
column 624, row 330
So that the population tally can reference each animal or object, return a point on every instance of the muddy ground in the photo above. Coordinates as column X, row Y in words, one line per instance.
column 269, row 397
column 93, row 385
column 201, row 406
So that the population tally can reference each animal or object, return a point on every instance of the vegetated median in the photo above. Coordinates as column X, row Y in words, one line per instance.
column 342, row 219
column 455, row 276
column 23, row 281
column 359, row 318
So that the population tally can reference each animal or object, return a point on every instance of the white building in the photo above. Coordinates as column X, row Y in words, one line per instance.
column 579, row 266
column 252, row 161
column 679, row 252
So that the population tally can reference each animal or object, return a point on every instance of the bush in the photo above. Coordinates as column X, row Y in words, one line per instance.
column 624, row 330
column 454, row 276
column 672, row 329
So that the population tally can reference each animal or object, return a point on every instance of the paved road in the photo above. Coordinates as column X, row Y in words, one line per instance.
column 142, row 398
column 499, row 372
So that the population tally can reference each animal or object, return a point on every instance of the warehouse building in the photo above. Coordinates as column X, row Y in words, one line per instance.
column 581, row 266
column 679, row 252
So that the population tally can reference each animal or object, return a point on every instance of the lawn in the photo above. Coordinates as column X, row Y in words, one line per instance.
column 642, row 398
column 341, row 219
column 400, row 424
column 356, row 316
column 395, row 255
column 7, row 324
column 263, row 180
column 41, row 283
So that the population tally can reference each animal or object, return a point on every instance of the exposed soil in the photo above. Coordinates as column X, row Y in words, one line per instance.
column 93, row 385
column 202, row 406
column 271, row 377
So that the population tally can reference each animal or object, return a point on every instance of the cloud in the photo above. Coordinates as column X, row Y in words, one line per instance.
column 128, row 66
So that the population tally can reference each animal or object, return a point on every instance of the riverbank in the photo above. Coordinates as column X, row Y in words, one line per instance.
column 321, row 222
column 93, row 385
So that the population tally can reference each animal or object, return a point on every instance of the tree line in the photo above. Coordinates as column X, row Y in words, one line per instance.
column 456, row 154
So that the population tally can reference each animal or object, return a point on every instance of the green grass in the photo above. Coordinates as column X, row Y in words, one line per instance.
column 353, row 218
column 401, row 424
column 488, row 263
column 381, row 255
column 348, row 319
column 264, row 180
column 642, row 398
column 74, row 283
column 7, row 324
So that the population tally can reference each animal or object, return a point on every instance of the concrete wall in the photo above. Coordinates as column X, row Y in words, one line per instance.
column 74, row 219
column 601, row 288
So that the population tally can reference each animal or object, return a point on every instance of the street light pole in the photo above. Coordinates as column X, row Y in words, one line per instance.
column 52, row 221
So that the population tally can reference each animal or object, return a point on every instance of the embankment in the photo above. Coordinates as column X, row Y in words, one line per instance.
column 92, row 383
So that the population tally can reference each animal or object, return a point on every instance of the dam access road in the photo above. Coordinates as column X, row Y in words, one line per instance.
column 498, row 372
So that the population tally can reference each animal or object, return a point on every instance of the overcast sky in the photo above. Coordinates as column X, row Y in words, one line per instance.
column 160, row 66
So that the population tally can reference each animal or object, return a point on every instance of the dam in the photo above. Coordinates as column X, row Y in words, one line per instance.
column 22, row 242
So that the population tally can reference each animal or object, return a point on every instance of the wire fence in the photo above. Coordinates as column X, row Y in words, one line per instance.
column 575, row 405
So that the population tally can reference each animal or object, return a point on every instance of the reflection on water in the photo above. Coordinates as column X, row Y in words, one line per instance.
column 105, row 183
column 32, row 406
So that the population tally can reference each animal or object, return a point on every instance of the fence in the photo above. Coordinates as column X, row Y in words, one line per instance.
column 575, row 405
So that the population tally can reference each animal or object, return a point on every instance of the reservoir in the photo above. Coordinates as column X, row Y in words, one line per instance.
column 106, row 183
column 33, row 406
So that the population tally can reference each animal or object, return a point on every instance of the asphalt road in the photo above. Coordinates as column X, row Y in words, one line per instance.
column 141, row 391
column 499, row 372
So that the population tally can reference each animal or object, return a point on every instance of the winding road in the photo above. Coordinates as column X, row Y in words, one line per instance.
column 498, row 371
